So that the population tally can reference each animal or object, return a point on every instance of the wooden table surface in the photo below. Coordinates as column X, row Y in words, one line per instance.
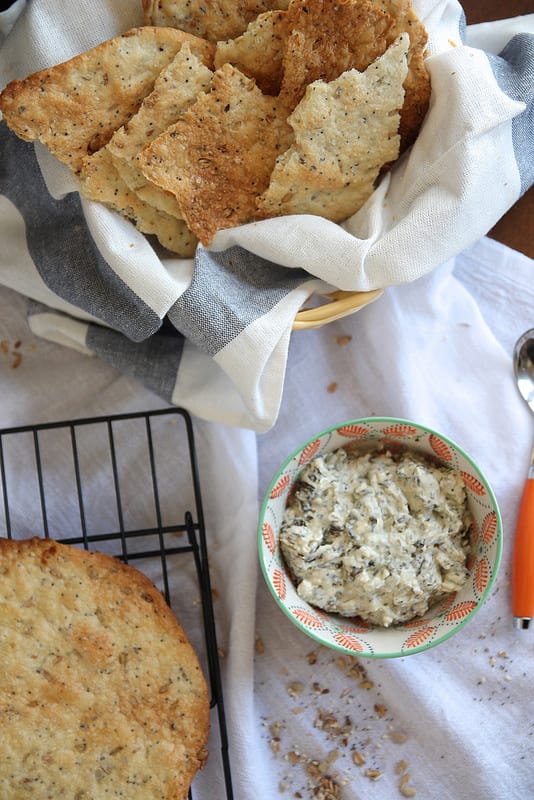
column 516, row 228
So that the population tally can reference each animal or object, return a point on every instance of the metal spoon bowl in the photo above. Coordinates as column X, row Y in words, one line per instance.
column 524, row 366
column 523, row 558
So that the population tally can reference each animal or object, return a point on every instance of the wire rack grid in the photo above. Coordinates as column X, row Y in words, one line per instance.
column 128, row 485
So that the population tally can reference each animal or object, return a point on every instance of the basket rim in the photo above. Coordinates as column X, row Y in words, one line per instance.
column 339, row 304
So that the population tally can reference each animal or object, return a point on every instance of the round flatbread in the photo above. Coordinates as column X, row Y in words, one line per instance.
column 102, row 694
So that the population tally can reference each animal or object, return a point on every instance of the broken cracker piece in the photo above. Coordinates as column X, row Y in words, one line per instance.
column 74, row 108
column 215, row 20
column 145, row 190
column 176, row 88
column 218, row 158
column 259, row 51
column 345, row 131
column 417, row 84
column 327, row 39
column 100, row 181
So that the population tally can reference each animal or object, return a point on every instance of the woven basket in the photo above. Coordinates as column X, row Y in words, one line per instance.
column 335, row 306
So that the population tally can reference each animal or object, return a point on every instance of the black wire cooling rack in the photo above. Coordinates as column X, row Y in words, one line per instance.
column 128, row 485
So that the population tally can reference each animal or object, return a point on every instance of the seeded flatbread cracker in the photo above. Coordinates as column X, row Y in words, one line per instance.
column 74, row 107
column 259, row 51
column 417, row 83
column 100, row 181
column 220, row 155
column 102, row 694
column 146, row 191
column 215, row 20
column 328, row 38
column 176, row 88
column 345, row 131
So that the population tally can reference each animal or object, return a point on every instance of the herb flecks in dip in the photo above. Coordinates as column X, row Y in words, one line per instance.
column 378, row 536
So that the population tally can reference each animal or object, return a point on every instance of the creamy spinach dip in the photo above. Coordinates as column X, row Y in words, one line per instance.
column 379, row 536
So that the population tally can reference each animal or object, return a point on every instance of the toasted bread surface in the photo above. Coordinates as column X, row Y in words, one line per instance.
column 102, row 695
column 74, row 107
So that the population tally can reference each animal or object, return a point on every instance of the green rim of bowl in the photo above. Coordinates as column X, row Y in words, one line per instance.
column 475, row 467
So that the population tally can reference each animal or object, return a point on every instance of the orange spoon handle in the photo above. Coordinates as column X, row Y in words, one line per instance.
column 523, row 559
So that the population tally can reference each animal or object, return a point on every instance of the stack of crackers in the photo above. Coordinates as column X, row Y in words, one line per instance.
column 215, row 114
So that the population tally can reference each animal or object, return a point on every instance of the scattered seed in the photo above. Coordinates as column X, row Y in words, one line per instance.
column 356, row 671
column 405, row 790
column 295, row 688
column 293, row 757
column 373, row 774
column 324, row 781
column 318, row 689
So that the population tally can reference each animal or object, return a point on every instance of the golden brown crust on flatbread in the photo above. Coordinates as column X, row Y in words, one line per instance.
column 101, row 694
column 100, row 181
column 258, row 53
column 329, row 38
column 328, row 170
column 74, row 107
column 215, row 20
column 176, row 88
column 221, row 153
column 417, row 83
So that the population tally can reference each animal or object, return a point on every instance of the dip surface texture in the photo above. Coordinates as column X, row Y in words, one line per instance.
column 378, row 536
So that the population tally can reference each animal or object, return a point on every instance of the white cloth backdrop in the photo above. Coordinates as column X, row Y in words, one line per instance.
column 460, row 715
column 437, row 350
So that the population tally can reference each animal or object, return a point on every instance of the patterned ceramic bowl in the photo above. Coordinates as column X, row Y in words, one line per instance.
column 440, row 622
